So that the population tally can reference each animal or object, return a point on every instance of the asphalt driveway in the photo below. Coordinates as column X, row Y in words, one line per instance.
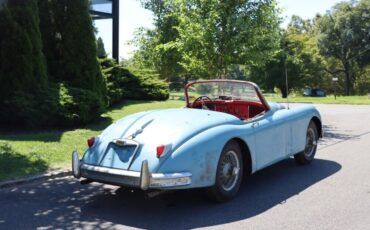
column 331, row 193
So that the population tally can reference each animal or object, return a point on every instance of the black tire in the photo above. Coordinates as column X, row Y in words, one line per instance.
column 229, row 173
column 309, row 152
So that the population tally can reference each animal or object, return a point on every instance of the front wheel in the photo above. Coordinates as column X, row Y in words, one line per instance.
column 309, row 151
column 229, row 173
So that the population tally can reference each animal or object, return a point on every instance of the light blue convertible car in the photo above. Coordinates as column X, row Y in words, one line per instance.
column 225, row 131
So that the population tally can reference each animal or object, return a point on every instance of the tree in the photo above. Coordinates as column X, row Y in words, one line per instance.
column 100, row 48
column 68, row 36
column 215, row 34
column 344, row 35
column 49, row 36
column 23, row 76
column 207, row 39
column 22, row 66
column 298, row 58
column 154, row 49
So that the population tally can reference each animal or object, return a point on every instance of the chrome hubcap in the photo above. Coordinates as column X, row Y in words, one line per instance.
column 229, row 170
column 311, row 142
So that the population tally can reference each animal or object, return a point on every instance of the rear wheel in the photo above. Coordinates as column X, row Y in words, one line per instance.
column 309, row 152
column 229, row 173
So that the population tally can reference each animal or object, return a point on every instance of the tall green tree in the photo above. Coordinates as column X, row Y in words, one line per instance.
column 215, row 34
column 298, row 58
column 345, row 35
column 100, row 48
column 23, row 78
column 22, row 66
column 154, row 51
column 50, row 37
column 207, row 39
column 70, row 44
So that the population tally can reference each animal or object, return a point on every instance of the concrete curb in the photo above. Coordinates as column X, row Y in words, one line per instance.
column 44, row 176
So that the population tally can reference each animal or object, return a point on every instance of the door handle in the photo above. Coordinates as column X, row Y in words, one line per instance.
column 255, row 125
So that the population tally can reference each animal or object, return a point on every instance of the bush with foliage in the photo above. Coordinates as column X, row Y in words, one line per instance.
column 132, row 84
column 76, row 106
column 68, row 87
column 150, row 86
column 23, row 78
column 58, row 106
column 75, row 91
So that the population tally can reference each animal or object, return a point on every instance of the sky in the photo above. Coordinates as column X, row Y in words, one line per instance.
column 133, row 16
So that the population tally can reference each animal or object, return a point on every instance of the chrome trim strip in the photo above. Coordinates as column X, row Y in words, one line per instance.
column 147, row 179
column 124, row 142
column 170, row 175
column 118, row 172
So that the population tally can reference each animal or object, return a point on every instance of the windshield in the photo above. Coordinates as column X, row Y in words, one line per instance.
column 223, row 90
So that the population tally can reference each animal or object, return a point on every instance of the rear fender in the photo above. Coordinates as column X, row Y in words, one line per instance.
column 200, row 154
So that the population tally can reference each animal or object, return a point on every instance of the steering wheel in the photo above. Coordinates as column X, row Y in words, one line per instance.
column 201, row 99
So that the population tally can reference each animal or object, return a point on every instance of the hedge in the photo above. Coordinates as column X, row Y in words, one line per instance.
column 123, row 83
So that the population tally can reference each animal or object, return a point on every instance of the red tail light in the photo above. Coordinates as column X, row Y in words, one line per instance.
column 160, row 150
column 90, row 141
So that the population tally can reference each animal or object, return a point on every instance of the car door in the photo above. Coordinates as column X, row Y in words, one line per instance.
column 272, row 135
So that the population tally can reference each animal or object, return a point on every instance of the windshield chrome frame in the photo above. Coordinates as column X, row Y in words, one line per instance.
column 256, row 88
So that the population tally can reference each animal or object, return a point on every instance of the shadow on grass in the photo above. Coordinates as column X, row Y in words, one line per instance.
column 55, row 134
column 13, row 164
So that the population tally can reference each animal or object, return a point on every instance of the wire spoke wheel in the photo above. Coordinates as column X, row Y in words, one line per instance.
column 307, row 155
column 311, row 142
column 229, row 170
column 229, row 173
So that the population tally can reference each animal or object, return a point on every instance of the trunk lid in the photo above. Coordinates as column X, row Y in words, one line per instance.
column 170, row 127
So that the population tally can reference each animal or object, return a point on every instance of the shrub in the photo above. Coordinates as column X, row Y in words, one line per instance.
column 132, row 84
column 151, row 86
column 26, row 110
column 76, row 92
column 76, row 106
column 59, row 106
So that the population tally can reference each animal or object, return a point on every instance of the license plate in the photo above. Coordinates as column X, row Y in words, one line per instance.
column 124, row 153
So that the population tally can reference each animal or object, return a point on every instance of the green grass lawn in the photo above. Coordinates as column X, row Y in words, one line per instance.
column 25, row 153
column 358, row 100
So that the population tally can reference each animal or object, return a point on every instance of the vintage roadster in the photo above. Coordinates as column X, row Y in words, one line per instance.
column 225, row 131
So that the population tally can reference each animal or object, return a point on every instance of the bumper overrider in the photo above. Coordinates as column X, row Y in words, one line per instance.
column 143, row 179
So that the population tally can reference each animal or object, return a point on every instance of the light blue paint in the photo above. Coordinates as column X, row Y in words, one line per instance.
column 195, row 139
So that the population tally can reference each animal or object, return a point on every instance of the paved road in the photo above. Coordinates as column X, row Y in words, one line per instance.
column 331, row 193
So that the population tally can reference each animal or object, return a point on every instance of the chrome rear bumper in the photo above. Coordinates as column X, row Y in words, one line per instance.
column 143, row 179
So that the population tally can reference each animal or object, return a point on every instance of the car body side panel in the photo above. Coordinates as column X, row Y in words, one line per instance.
column 289, row 126
column 299, row 121
column 200, row 154
column 272, row 135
